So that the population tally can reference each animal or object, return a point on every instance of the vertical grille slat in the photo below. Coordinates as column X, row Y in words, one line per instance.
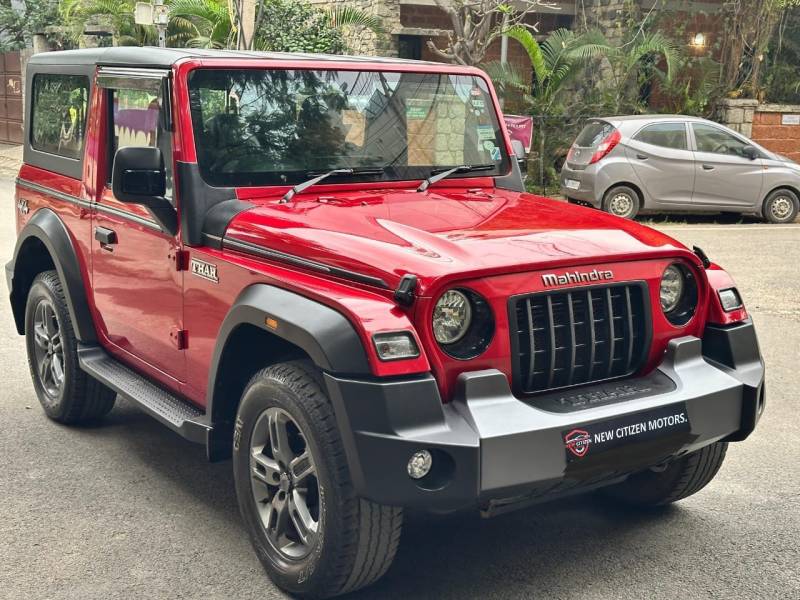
column 578, row 336
column 592, row 333
column 551, row 371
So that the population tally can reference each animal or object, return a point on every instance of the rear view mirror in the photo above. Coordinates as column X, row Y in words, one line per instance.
column 138, row 175
column 750, row 152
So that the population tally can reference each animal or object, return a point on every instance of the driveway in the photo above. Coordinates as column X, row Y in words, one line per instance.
column 129, row 510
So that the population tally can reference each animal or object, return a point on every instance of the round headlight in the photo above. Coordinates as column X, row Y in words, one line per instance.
column 678, row 294
column 672, row 284
column 451, row 317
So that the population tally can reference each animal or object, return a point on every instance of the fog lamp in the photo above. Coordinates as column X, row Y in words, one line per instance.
column 730, row 299
column 420, row 464
column 395, row 345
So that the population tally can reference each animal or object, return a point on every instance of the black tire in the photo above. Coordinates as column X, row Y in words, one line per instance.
column 355, row 540
column 75, row 397
column 680, row 479
column 622, row 201
column 781, row 206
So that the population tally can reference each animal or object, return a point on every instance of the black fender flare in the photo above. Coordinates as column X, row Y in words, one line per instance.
column 325, row 334
column 51, row 231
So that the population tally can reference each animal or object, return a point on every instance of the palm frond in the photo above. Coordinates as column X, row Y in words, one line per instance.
column 532, row 47
column 342, row 15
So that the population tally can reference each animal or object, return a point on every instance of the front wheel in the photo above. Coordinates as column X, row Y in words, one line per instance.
column 313, row 535
column 681, row 478
column 781, row 207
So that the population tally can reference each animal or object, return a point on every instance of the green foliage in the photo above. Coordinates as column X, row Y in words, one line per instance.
column 117, row 13
column 18, row 26
column 782, row 80
column 291, row 26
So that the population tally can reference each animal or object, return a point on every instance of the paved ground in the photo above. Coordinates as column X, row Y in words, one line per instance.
column 129, row 510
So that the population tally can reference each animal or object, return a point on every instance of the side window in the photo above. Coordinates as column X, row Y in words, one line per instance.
column 136, row 120
column 714, row 140
column 58, row 120
column 666, row 135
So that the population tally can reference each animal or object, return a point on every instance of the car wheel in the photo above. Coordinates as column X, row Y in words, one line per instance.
column 622, row 201
column 781, row 206
column 680, row 479
column 67, row 393
column 313, row 535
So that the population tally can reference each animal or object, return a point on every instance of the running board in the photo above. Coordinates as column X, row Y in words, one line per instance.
column 179, row 415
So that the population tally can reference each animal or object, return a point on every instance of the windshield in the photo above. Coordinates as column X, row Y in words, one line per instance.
column 260, row 127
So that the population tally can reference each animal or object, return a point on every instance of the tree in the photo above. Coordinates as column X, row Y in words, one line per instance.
column 117, row 14
column 551, row 100
column 18, row 24
column 477, row 23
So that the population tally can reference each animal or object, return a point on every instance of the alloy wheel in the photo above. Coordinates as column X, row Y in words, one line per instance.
column 284, row 484
column 48, row 348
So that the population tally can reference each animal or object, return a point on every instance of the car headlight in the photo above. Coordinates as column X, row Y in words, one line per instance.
column 463, row 323
column 671, row 288
column 678, row 294
column 451, row 317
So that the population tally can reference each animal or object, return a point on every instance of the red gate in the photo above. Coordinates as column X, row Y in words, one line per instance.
column 11, row 98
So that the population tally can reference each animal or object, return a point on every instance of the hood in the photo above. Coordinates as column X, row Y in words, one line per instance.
column 445, row 234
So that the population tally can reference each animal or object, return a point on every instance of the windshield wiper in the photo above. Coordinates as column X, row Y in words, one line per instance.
column 438, row 175
column 319, row 177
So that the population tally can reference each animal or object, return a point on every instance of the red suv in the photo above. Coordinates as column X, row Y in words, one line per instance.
column 327, row 268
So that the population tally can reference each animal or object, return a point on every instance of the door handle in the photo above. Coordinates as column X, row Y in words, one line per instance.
column 708, row 167
column 642, row 156
column 106, row 237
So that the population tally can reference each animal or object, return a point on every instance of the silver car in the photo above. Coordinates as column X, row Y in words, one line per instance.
column 676, row 163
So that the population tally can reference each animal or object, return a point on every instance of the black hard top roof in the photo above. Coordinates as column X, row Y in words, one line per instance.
column 134, row 56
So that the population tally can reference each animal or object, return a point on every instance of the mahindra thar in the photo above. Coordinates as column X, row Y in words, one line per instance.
column 328, row 270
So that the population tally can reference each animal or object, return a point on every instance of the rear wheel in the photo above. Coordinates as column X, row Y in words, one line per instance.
column 66, row 393
column 680, row 479
column 313, row 535
column 622, row 201
column 781, row 206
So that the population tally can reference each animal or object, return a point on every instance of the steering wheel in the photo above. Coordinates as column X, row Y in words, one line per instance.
column 721, row 148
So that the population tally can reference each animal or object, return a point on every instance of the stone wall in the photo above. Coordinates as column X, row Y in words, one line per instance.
column 777, row 128
column 738, row 114
column 363, row 41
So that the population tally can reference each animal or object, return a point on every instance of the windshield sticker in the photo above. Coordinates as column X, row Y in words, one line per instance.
column 495, row 153
column 478, row 103
column 486, row 132
column 418, row 109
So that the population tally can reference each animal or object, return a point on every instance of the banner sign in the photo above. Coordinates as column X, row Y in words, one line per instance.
column 520, row 128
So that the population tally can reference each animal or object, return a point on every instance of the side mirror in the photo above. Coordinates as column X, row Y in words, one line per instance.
column 518, row 149
column 750, row 152
column 139, row 177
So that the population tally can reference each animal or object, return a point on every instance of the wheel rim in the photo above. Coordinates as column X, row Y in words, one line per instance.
column 621, row 205
column 781, row 208
column 48, row 348
column 284, row 483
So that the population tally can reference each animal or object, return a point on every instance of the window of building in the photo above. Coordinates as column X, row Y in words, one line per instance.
column 58, row 121
column 409, row 46
column 666, row 135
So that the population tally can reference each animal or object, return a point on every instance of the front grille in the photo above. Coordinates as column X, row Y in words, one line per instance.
column 577, row 336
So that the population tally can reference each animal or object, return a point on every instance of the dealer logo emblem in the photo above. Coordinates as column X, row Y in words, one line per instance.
column 577, row 441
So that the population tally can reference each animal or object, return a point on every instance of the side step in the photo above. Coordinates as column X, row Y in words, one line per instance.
column 179, row 415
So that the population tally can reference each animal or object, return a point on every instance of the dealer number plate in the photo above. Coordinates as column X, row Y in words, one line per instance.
column 595, row 438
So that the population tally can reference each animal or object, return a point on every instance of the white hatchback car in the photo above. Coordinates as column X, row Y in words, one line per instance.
column 660, row 163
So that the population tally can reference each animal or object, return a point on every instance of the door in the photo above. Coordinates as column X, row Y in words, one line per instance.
column 725, row 177
column 138, row 289
column 664, row 164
